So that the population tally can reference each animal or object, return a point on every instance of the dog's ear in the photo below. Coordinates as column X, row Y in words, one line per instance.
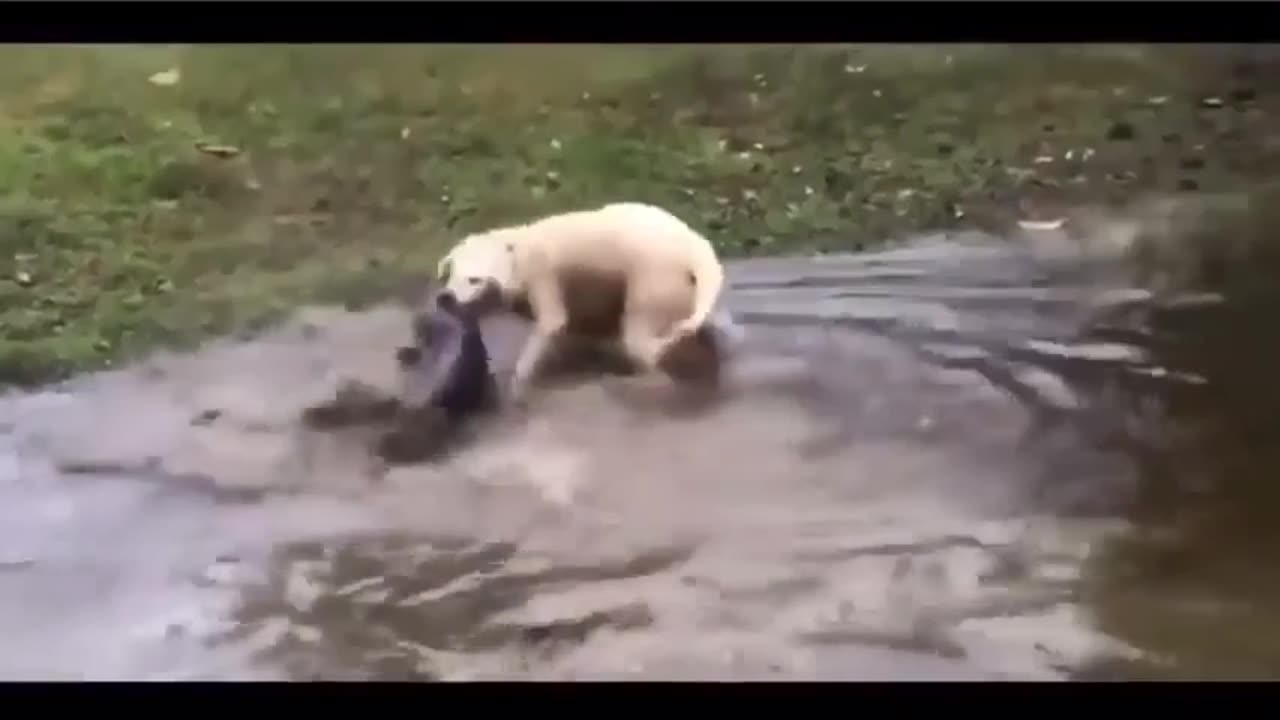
column 444, row 266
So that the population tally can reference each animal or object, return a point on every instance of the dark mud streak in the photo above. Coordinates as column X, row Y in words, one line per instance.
column 153, row 474
column 895, row 549
column 922, row 639
column 458, row 621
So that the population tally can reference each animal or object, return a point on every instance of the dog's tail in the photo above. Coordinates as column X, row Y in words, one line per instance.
column 708, row 282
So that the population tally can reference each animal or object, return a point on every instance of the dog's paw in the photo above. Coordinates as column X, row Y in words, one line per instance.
column 684, row 329
column 517, row 393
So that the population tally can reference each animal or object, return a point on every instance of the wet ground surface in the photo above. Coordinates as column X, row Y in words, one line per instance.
column 918, row 454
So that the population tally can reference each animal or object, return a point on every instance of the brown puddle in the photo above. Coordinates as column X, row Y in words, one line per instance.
column 918, row 452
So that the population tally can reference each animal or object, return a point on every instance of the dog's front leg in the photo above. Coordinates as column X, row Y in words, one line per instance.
column 535, row 348
column 550, row 319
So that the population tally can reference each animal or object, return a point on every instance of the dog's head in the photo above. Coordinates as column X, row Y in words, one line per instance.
column 479, row 273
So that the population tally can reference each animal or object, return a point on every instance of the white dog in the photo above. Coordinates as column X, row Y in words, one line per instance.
column 626, row 271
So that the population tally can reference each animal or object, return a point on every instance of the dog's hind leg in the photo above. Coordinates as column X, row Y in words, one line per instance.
column 641, row 342
column 655, row 301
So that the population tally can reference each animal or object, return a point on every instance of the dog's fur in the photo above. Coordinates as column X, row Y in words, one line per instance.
column 627, row 272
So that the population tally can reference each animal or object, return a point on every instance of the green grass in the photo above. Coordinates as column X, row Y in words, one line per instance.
column 357, row 165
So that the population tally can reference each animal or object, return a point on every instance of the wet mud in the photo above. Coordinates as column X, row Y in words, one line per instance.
column 914, row 456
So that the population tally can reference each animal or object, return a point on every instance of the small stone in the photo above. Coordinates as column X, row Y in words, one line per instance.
column 1192, row 163
column 217, row 150
column 1188, row 185
column 1171, row 138
column 166, row 78
column 1051, row 224
column 1211, row 102
column 206, row 417
column 1121, row 131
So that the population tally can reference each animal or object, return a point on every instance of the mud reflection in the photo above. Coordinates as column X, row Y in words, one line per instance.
column 1193, row 582
column 918, row 452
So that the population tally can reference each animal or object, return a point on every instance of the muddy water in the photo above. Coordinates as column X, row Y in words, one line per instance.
column 918, row 453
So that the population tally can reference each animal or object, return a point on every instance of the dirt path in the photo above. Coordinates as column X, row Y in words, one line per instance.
column 903, row 483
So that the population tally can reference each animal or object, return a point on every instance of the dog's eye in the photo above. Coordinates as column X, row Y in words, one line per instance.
column 475, row 281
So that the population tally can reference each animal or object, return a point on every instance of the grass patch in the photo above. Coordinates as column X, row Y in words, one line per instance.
column 353, row 166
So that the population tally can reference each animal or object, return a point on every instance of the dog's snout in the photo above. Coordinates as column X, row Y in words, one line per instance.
column 446, row 300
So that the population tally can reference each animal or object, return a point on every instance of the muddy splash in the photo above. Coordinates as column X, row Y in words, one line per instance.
column 918, row 450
